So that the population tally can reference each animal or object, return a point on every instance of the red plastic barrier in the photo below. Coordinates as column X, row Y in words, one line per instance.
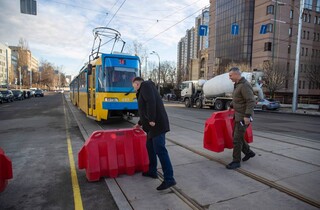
column 5, row 170
column 218, row 131
column 113, row 152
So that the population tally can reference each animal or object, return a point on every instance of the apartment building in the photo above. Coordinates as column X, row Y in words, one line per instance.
column 5, row 65
column 191, row 51
column 278, row 45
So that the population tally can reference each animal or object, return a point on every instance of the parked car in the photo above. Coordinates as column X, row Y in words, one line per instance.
column 18, row 94
column 1, row 98
column 267, row 104
column 7, row 95
column 38, row 93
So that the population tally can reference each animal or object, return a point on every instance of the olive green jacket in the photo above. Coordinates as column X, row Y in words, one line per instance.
column 243, row 100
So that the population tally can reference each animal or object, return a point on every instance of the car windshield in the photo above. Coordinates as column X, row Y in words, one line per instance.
column 4, row 92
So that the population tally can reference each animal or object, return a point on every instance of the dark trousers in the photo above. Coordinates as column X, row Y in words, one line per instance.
column 156, row 147
column 239, row 144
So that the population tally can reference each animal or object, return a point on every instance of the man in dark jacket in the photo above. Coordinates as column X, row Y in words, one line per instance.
column 154, row 121
column 243, row 103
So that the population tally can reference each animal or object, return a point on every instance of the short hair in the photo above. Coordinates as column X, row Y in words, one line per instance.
column 138, row 79
column 235, row 69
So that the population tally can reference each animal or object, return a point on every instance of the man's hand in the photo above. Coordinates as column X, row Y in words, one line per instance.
column 137, row 126
column 152, row 124
column 246, row 120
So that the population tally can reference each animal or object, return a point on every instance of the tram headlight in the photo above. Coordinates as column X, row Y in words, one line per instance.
column 111, row 99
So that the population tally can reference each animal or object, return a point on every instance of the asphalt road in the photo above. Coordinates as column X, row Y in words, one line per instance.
column 306, row 126
column 34, row 134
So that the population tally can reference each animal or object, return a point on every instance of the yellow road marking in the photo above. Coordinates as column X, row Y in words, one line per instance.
column 75, row 184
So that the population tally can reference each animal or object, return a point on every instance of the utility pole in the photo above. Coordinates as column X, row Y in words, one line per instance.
column 296, row 69
column 7, row 68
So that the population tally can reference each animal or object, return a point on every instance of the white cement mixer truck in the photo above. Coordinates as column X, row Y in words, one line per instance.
column 216, row 92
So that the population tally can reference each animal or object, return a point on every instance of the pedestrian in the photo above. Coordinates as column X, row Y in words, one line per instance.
column 243, row 103
column 154, row 121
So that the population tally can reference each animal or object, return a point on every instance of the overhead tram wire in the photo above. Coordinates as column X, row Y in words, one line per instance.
column 116, row 13
column 175, row 12
column 174, row 24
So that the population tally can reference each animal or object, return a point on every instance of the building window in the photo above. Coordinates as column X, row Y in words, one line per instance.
column 314, row 36
column 299, row 84
column 267, row 46
column 318, row 37
column 309, row 18
column 269, row 28
column 291, row 14
column 290, row 31
column 312, row 54
column 306, row 51
column 308, row 35
column 302, row 51
column 315, row 19
column 270, row 9
column 318, row 6
column 289, row 49
column 308, row 4
column 304, row 35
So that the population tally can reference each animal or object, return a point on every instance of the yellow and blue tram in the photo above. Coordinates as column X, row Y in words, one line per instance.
column 103, row 89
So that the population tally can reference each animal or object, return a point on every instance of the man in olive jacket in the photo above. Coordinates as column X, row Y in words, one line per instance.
column 243, row 103
column 154, row 121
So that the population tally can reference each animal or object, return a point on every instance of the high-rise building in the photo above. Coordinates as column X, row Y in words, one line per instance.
column 262, row 34
column 277, row 47
column 192, row 54
column 5, row 65
column 231, row 33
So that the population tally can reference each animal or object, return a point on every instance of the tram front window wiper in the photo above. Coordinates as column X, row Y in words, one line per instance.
column 127, row 93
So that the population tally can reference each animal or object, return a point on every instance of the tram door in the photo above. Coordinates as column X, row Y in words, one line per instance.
column 91, row 92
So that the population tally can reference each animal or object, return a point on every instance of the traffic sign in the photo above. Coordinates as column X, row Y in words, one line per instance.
column 263, row 29
column 234, row 29
column 203, row 30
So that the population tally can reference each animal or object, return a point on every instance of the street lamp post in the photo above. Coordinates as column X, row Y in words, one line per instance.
column 155, row 53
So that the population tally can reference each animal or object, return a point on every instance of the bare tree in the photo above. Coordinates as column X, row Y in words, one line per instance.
column 313, row 74
column 47, row 74
column 137, row 49
column 168, row 74
column 274, row 77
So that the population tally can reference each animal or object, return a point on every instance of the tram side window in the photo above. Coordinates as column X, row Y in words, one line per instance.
column 82, row 80
column 101, row 80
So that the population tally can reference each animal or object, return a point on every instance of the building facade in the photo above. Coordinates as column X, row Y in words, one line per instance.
column 5, row 65
column 192, row 51
column 278, row 45
column 231, row 39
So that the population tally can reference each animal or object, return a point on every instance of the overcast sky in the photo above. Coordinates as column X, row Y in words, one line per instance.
column 61, row 32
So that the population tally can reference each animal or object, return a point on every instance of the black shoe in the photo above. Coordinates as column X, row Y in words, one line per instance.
column 248, row 156
column 233, row 165
column 147, row 174
column 166, row 185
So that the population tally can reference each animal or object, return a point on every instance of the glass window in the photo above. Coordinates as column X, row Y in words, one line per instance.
column 269, row 27
column 308, row 33
column 302, row 51
column 308, row 4
column 291, row 14
column 289, row 49
column 270, row 9
column 315, row 19
column 120, row 77
column 267, row 46
column 318, row 6
column 290, row 31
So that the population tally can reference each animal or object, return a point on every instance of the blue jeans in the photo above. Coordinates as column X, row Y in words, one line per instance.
column 156, row 147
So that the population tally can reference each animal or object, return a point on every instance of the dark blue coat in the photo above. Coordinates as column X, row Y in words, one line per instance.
column 151, row 109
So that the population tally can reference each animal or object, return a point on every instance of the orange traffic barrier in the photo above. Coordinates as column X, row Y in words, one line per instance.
column 113, row 152
column 5, row 170
column 218, row 131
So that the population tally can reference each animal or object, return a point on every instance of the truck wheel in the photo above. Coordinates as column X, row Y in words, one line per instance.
column 198, row 104
column 218, row 105
column 227, row 106
column 187, row 103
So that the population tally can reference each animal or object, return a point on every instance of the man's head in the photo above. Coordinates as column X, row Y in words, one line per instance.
column 235, row 74
column 136, row 82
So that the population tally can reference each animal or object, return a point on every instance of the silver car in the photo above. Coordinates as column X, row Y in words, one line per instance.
column 267, row 104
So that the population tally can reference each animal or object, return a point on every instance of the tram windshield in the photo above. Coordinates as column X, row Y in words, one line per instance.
column 116, row 79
